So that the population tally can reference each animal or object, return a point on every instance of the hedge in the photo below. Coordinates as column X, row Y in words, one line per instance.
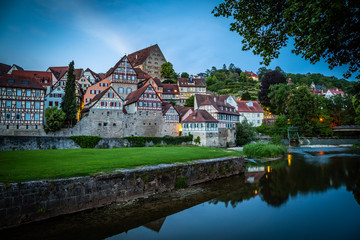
column 141, row 141
column 86, row 141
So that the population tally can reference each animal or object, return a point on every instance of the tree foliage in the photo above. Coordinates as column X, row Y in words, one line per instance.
column 302, row 109
column 185, row 75
column 69, row 105
column 270, row 78
column 167, row 71
column 279, row 94
column 326, row 29
column 54, row 119
column 244, row 133
column 246, row 96
column 189, row 102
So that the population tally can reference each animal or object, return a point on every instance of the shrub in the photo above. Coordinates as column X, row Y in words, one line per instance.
column 276, row 139
column 54, row 119
column 197, row 140
column 245, row 133
column 86, row 141
column 141, row 141
column 263, row 150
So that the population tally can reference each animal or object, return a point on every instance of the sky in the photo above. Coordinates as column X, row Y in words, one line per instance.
column 37, row 34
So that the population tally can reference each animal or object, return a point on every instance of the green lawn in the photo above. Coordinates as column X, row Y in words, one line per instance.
column 17, row 166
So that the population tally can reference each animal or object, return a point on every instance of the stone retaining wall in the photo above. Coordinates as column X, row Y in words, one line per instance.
column 36, row 200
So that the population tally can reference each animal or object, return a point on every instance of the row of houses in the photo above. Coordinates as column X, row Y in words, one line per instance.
column 129, row 99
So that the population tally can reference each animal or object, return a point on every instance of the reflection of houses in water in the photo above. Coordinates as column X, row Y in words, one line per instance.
column 254, row 174
column 155, row 225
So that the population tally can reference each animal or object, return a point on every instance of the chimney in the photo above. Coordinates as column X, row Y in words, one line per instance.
column 136, row 56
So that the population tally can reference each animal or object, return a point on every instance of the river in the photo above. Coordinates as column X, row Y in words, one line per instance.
column 312, row 193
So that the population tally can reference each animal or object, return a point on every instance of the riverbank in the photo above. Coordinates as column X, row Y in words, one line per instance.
column 18, row 166
column 36, row 200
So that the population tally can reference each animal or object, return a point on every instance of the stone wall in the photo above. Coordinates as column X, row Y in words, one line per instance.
column 226, row 135
column 32, row 201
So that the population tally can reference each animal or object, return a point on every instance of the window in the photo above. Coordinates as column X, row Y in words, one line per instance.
column 18, row 92
column 8, row 116
column 128, row 90
column 120, row 90
column 111, row 95
column 37, row 117
column 50, row 104
column 8, row 104
column 258, row 114
column 9, row 92
column 37, row 105
column 27, row 116
column 56, row 103
column 18, row 116
column 18, row 104
column 91, row 91
column 27, row 104
column 133, row 77
column 37, row 93
column 28, row 93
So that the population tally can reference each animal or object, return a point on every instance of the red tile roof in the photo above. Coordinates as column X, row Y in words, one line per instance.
column 158, row 82
column 170, row 88
column 40, row 76
column 135, row 95
column 251, row 74
column 141, row 74
column 335, row 91
column 20, row 82
column 218, row 102
column 139, row 57
column 166, row 106
column 200, row 116
column 183, row 110
column 191, row 82
column 243, row 107
column 4, row 69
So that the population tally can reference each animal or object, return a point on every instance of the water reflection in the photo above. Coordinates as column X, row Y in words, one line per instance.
column 286, row 178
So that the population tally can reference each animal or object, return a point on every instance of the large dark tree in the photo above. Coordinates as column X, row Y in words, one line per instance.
column 270, row 78
column 68, row 104
column 326, row 29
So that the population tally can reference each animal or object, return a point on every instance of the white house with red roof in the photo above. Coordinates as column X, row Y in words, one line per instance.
column 332, row 92
column 201, row 124
column 219, row 108
column 251, row 111
column 252, row 75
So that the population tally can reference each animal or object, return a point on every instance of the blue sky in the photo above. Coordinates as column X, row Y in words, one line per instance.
column 37, row 34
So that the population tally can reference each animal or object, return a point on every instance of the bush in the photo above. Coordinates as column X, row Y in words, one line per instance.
column 277, row 140
column 141, row 141
column 263, row 150
column 245, row 133
column 54, row 118
column 86, row 141
column 197, row 140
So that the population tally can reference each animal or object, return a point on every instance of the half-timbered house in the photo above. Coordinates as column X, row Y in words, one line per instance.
column 170, row 93
column 21, row 103
column 44, row 78
column 54, row 98
column 171, row 115
column 122, row 77
column 108, row 99
column 144, row 99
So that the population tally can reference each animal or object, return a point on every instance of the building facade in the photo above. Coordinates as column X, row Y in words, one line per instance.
column 251, row 111
column 21, row 103
column 189, row 87
column 149, row 60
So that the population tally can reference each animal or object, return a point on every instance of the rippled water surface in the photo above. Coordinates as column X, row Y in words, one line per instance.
column 310, row 194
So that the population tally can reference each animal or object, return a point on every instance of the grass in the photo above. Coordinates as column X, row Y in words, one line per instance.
column 263, row 150
column 17, row 166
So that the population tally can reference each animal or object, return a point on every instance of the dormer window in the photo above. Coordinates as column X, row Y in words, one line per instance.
column 250, row 103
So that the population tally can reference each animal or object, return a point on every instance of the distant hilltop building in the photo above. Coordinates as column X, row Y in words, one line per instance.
column 252, row 75
column 149, row 60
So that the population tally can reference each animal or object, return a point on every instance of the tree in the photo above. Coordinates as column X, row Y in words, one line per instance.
column 185, row 75
column 326, row 29
column 262, row 71
column 244, row 133
column 270, row 78
column 167, row 71
column 279, row 94
column 189, row 102
column 54, row 119
column 197, row 140
column 246, row 96
column 302, row 109
column 68, row 104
